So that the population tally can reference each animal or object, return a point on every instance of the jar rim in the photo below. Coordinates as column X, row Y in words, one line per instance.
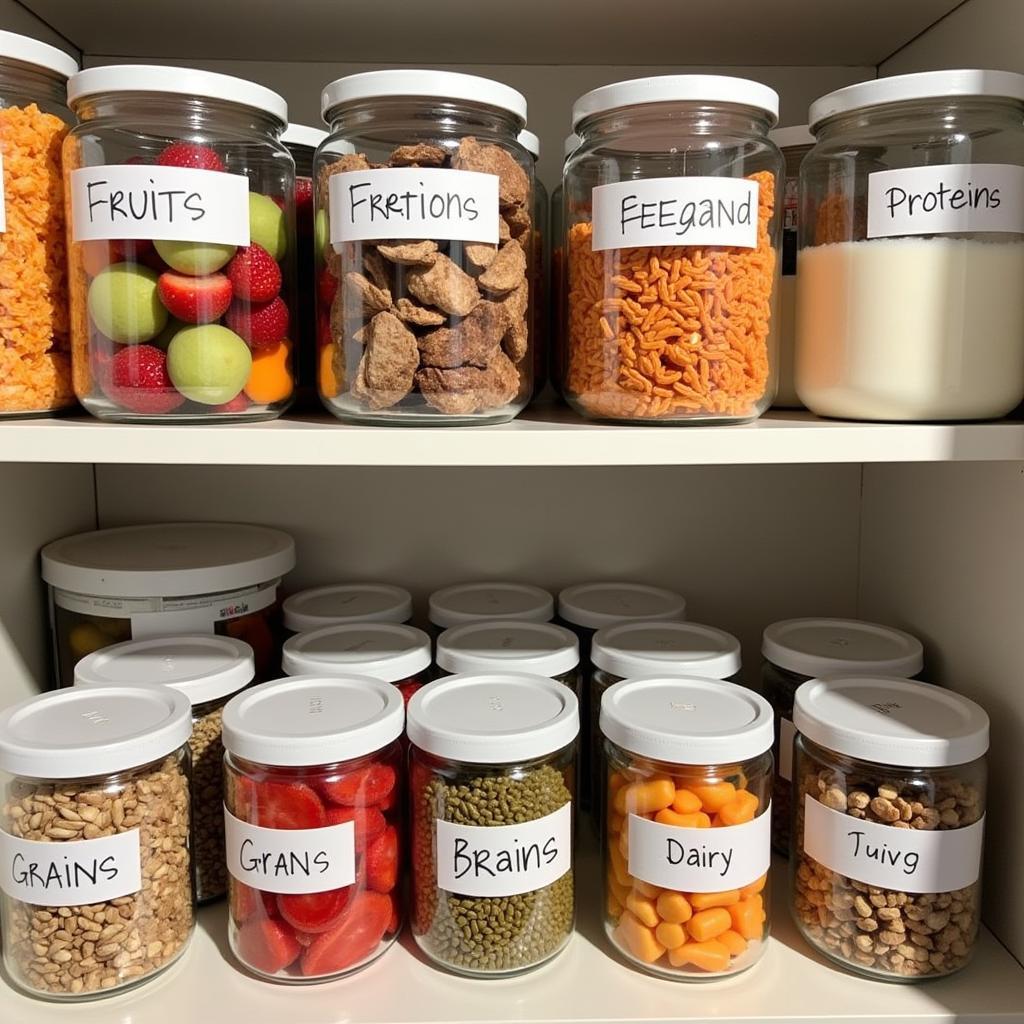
column 390, row 651
column 535, row 647
column 26, row 50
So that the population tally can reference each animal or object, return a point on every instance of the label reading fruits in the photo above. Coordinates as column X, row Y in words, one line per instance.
column 504, row 860
column 292, row 860
column 787, row 733
column 72, row 873
column 699, row 859
column 413, row 202
column 675, row 211
column 905, row 859
column 159, row 203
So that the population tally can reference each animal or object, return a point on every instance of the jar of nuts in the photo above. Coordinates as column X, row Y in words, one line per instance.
column 889, row 776
column 95, row 867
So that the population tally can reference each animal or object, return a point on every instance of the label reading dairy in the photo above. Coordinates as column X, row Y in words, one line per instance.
column 699, row 859
column 675, row 211
column 787, row 733
column 905, row 859
column 946, row 199
column 413, row 202
column 155, row 202
column 73, row 873
column 504, row 860
column 290, row 860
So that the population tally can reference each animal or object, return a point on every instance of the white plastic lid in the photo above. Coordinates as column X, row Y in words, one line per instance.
column 677, row 89
column 346, row 602
column 925, row 85
column 179, row 81
column 27, row 50
column 303, row 135
column 571, row 144
column 440, row 85
column 313, row 720
column 821, row 647
column 383, row 650
column 687, row 720
column 891, row 721
column 540, row 648
column 648, row 648
column 530, row 143
column 471, row 602
column 167, row 559
column 595, row 605
column 80, row 732
column 791, row 137
column 203, row 668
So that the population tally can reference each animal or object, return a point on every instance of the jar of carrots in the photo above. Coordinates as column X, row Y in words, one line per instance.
column 687, row 825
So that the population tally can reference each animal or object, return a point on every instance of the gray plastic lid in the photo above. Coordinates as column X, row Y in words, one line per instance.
column 649, row 648
column 346, row 602
column 384, row 650
column 473, row 602
column 541, row 648
column 596, row 605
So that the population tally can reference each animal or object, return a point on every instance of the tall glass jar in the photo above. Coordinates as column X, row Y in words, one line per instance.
column 672, row 237
column 539, row 278
column 464, row 603
column 180, row 200
column 340, row 603
column 424, row 202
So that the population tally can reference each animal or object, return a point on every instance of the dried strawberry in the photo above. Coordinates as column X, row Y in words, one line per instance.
column 254, row 274
column 382, row 861
column 264, row 325
column 139, row 381
column 369, row 823
column 314, row 911
column 267, row 945
column 362, row 787
column 288, row 805
column 190, row 154
column 195, row 300
column 353, row 939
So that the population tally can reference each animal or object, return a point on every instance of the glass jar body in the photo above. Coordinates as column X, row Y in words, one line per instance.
column 304, row 333
column 541, row 286
column 779, row 686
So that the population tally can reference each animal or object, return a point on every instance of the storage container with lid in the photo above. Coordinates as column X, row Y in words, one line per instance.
column 672, row 236
column 491, row 774
column 181, row 209
column 687, row 827
column 888, row 824
column 314, row 785
column 342, row 603
column 556, row 311
column 424, row 221
column 915, row 191
column 165, row 579
column 209, row 670
column 98, row 897
column 477, row 602
column 540, row 267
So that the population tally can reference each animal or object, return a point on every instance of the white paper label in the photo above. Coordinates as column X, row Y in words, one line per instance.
column 413, row 202
column 74, row 873
column 504, row 860
column 946, row 199
column 3, row 197
column 169, row 203
column 290, row 860
column 787, row 733
column 675, row 211
column 904, row 859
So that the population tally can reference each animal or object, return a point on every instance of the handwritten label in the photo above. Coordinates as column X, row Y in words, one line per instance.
column 290, row 860
column 78, row 872
column 3, row 198
column 167, row 203
column 504, row 860
column 787, row 733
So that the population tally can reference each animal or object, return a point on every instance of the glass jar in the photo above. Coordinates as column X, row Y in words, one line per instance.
column 433, row 328
column 485, row 602
column 687, row 836
column 672, row 239
column 557, row 312
column 888, row 827
column 209, row 670
column 165, row 579
column 98, row 897
column 491, row 773
column 342, row 603
column 181, row 205
column 915, row 191
column 35, row 358
column 539, row 268
column 796, row 650
column 313, row 787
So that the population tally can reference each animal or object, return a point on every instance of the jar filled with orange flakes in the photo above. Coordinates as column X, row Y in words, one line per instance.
column 687, row 825
column 672, row 234
column 35, row 360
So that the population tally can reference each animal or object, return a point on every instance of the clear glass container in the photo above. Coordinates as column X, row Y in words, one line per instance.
column 464, row 603
column 314, row 777
column 888, row 828
column 913, row 190
column 181, row 204
column 672, row 235
column 102, row 899
column 539, row 267
column 557, row 314
column 675, row 785
column 428, row 271
column 341, row 603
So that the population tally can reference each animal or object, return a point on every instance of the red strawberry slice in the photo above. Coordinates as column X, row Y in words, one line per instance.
column 369, row 823
column 196, row 300
column 264, row 325
column 382, row 861
column 254, row 274
column 353, row 939
column 288, row 805
column 314, row 911
column 361, row 788
column 326, row 287
column 247, row 902
column 304, row 939
column 267, row 945
column 190, row 154
column 395, row 921
column 139, row 381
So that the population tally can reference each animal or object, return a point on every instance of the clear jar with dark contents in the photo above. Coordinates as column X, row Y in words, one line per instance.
column 464, row 603
column 540, row 243
column 342, row 603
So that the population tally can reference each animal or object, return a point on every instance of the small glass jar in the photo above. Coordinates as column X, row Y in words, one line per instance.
column 343, row 603
column 796, row 650
column 313, row 789
column 98, row 897
column 491, row 774
column 428, row 270
column 35, row 358
column 484, row 602
column 888, row 825
column 687, row 833
column 180, row 199
column 672, row 235
column 539, row 268
column 209, row 670
column 914, row 191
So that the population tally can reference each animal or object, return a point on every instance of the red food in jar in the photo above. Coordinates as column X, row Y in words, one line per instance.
column 314, row 912
column 370, row 785
column 369, row 822
column 288, row 805
column 353, row 939
column 267, row 945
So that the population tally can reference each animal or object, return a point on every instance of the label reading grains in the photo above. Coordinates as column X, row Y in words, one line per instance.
column 787, row 733
column 504, row 860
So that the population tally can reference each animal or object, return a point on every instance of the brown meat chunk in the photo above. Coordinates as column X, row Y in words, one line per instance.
column 418, row 316
column 515, row 303
column 376, row 269
column 389, row 363
column 422, row 154
column 408, row 252
column 469, row 389
column 445, row 286
column 516, row 341
column 518, row 220
column 471, row 342
column 504, row 232
column 363, row 294
column 479, row 254
column 507, row 270
column 513, row 182
column 349, row 162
